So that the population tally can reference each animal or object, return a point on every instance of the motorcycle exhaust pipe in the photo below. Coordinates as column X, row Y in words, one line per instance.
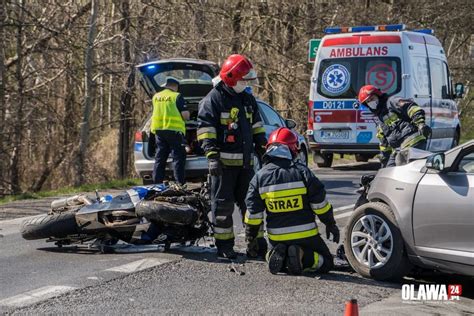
column 64, row 203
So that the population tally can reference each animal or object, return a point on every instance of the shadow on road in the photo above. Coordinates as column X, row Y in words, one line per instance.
column 371, row 166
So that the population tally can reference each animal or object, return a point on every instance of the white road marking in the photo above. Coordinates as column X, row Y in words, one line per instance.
column 343, row 208
column 12, row 226
column 140, row 265
column 35, row 296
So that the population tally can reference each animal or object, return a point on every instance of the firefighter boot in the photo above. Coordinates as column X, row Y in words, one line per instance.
column 276, row 258
column 294, row 261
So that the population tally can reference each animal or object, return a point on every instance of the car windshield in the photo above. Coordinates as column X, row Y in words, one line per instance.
column 343, row 77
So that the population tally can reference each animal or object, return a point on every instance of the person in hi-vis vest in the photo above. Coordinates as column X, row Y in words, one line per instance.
column 168, row 125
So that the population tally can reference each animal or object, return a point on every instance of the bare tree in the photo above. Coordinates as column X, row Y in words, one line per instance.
column 89, row 95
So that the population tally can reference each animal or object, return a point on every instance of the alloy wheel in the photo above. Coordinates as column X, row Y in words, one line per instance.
column 371, row 241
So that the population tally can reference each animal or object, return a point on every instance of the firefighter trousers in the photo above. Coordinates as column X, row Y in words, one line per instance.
column 228, row 190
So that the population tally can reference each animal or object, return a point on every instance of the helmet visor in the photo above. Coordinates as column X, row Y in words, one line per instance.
column 251, row 78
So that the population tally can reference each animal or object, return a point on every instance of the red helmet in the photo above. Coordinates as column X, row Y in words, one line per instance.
column 367, row 91
column 284, row 136
column 235, row 68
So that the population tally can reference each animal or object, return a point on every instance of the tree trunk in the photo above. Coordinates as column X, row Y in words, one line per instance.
column 200, row 23
column 88, row 95
column 15, row 159
column 126, row 96
column 3, row 129
column 236, row 27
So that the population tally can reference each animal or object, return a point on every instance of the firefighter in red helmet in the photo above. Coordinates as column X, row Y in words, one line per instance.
column 292, row 197
column 231, row 132
column 400, row 123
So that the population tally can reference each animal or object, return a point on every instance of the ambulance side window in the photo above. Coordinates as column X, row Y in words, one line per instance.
column 421, row 80
column 439, row 79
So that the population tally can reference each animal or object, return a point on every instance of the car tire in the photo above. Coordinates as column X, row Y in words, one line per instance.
column 456, row 138
column 147, row 181
column 322, row 160
column 58, row 225
column 303, row 156
column 362, row 157
column 376, row 215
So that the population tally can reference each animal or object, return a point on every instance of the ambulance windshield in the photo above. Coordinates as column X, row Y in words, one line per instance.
column 342, row 77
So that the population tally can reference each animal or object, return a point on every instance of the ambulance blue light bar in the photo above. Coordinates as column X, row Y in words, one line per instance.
column 356, row 29
column 425, row 31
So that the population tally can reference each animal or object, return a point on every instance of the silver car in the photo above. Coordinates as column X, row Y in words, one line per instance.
column 419, row 214
column 195, row 82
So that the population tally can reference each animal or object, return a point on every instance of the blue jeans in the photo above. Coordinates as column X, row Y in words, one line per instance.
column 169, row 142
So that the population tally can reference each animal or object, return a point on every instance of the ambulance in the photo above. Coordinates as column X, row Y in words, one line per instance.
column 408, row 64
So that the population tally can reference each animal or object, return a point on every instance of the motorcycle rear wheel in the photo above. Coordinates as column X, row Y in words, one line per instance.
column 58, row 225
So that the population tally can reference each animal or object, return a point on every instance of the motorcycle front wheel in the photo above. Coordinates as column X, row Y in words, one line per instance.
column 58, row 225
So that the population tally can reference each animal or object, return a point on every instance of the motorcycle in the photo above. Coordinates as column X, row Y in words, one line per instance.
column 159, row 214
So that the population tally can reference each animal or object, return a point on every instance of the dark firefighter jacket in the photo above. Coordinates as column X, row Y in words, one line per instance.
column 290, row 194
column 397, row 120
column 229, row 125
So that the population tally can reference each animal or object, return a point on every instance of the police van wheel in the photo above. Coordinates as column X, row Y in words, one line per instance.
column 362, row 157
column 322, row 160
column 374, row 244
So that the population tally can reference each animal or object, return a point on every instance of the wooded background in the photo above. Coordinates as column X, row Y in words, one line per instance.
column 69, row 98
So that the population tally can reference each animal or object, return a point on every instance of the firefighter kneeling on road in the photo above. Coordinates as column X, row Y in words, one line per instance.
column 400, row 123
column 292, row 196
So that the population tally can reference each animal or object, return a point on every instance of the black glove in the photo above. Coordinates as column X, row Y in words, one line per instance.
column 424, row 129
column 260, row 151
column 215, row 167
column 332, row 229
column 252, row 247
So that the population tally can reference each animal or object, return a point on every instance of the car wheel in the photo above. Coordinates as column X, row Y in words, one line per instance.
column 147, row 181
column 362, row 157
column 322, row 160
column 303, row 156
column 374, row 244
column 455, row 140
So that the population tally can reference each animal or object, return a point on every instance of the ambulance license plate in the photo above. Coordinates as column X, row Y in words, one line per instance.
column 335, row 134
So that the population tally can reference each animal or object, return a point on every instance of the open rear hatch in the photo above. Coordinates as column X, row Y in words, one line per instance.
column 195, row 77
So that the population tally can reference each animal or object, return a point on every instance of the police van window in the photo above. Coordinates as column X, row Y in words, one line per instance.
column 269, row 115
column 342, row 78
column 439, row 79
column 421, row 78
column 184, row 76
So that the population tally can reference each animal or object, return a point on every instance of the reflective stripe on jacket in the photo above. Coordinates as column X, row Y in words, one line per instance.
column 166, row 115
column 229, row 125
column 291, row 196
column 397, row 122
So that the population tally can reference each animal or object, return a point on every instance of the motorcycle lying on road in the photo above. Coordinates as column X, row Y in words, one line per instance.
column 157, row 214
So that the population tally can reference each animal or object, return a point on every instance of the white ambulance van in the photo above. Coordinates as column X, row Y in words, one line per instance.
column 409, row 64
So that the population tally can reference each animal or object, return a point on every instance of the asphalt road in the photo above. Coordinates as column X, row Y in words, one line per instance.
column 190, row 280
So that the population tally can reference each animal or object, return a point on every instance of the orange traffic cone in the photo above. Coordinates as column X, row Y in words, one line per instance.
column 352, row 309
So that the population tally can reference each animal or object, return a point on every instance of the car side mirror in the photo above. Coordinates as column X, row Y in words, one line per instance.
column 290, row 123
column 435, row 162
column 458, row 90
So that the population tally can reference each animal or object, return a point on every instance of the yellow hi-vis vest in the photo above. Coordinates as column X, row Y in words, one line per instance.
column 166, row 115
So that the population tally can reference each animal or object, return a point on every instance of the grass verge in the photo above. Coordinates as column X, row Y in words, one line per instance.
column 114, row 184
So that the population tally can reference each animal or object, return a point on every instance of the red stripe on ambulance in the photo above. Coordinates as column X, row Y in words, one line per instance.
column 342, row 116
column 361, row 39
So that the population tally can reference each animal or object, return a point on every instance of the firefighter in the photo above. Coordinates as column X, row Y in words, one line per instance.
column 400, row 123
column 292, row 197
column 168, row 125
column 229, row 126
